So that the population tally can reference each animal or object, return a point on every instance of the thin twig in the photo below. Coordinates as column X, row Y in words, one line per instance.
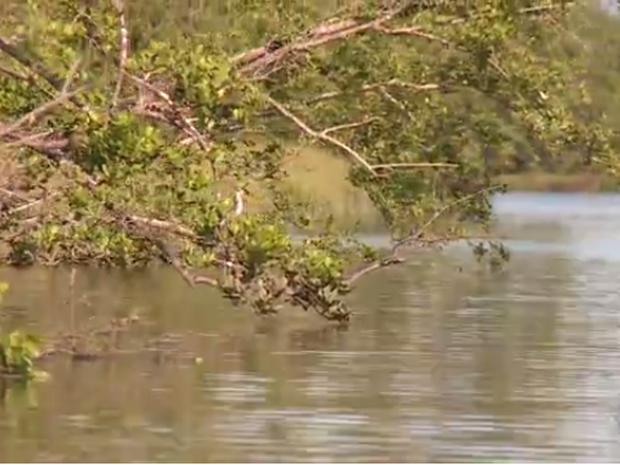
column 319, row 135
column 64, row 95
column 70, row 76
column 416, row 237
column 401, row 106
column 418, row 32
column 420, row 232
column 36, row 69
column 322, row 135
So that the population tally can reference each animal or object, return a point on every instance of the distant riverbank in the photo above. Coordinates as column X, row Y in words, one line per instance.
column 549, row 182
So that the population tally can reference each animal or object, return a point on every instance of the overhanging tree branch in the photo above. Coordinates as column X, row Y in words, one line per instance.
column 148, row 195
column 356, row 156
column 415, row 238
column 320, row 135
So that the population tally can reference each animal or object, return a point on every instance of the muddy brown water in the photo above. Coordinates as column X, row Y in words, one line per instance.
column 442, row 361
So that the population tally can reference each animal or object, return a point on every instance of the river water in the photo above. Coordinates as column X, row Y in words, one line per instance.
column 443, row 361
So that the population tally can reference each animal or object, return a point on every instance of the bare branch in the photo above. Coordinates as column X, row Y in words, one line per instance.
column 421, row 164
column 37, row 112
column 124, row 49
column 51, row 147
column 70, row 76
column 13, row 74
column 324, row 137
column 27, row 139
column 31, row 204
column 44, row 108
column 198, row 137
column 259, row 58
column 238, row 202
column 342, row 127
column 412, row 31
column 172, row 258
column 163, row 225
column 254, row 61
column 377, row 265
column 14, row 195
column 38, row 69
column 370, row 87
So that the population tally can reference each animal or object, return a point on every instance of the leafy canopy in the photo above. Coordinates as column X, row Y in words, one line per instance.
column 129, row 145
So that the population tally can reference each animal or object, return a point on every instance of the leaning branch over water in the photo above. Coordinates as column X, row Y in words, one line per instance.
column 123, row 154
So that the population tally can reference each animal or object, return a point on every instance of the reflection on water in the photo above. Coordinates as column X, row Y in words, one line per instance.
column 438, row 365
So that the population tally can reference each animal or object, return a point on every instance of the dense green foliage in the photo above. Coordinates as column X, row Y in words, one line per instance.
column 176, row 146
column 18, row 351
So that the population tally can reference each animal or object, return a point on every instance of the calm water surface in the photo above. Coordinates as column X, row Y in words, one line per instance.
column 442, row 362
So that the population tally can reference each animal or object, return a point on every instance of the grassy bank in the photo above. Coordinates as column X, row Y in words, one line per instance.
column 321, row 178
column 549, row 182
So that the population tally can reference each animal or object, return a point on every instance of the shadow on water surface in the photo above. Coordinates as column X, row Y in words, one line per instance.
column 437, row 364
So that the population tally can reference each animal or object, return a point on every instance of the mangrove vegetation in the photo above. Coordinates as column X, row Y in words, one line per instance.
column 141, row 132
